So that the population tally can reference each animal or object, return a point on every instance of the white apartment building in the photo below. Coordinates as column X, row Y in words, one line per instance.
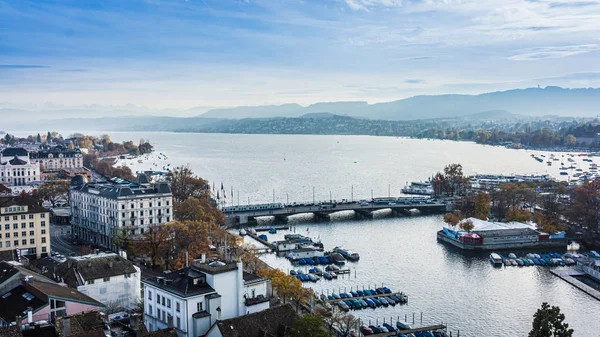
column 24, row 226
column 106, row 277
column 102, row 210
column 16, row 169
column 192, row 299
column 58, row 157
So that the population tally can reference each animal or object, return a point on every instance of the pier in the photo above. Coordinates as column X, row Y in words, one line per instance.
column 323, row 211
column 264, row 242
column 367, row 296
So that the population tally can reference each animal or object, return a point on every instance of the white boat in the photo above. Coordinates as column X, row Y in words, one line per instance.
column 418, row 187
column 242, row 232
column 496, row 260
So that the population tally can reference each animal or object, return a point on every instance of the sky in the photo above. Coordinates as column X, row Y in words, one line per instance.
column 210, row 53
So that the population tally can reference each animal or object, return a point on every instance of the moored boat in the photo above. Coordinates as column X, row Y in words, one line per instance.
column 496, row 260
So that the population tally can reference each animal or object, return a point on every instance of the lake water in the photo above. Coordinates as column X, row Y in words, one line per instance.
column 462, row 290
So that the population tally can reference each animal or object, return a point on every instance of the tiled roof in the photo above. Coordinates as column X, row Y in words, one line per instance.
column 10, row 331
column 249, row 277
column 84, row 324
column 17, row 161
column 115, row 190
column 168, row 332
column 270, row 322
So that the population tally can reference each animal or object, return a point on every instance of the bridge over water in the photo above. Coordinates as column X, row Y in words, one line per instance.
column 323, row 212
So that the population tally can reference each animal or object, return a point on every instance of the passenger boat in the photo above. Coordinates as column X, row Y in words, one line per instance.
column 496, row 260
column 349, row 255
column 418, row 187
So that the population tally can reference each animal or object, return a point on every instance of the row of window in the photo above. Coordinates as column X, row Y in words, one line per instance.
column 23, row 217
column 142, row 204
column 24, row 243
column 23, row 233
column 162, row 315
column 23, row 225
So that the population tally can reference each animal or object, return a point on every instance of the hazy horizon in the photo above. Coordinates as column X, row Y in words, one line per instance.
column 207, row 53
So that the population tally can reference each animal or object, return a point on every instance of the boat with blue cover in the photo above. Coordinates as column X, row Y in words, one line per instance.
column 327, row 276
column 263, row 237
column 402, row 326
column 389, row 327
column 272, row 230
column 293, row 272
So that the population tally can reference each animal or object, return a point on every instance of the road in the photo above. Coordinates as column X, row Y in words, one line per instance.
column 60, row 240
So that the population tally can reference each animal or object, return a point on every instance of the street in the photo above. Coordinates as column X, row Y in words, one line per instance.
column 60, row 240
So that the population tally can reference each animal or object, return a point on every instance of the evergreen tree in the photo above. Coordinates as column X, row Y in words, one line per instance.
column 39, row 138
column 49, row 137
column 549, row 322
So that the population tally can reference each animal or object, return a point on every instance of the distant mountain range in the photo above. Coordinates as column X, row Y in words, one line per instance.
column 527, row 102
column 503, row 105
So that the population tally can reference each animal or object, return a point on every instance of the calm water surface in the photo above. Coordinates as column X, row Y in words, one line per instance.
column 464, row 291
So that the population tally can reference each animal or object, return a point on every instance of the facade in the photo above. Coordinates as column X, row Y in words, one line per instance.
column 105, row 277
column 192, row 299
column 36, row 301
column 102, row 210
column 24, row 226
column 16, row 169
column 57, row 158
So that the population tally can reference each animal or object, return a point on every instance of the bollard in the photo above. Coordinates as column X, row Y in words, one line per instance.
column 421, row 317
column 413, row 318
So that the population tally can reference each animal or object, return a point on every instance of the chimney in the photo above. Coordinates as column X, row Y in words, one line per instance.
column 30, row 315
column 110, row 264
column 66, row 326
column 219, row 313
column 203, row 258
column 19, row 322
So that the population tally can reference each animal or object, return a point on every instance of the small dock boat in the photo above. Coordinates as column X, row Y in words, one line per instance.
column 496, row 260
column 242, row 232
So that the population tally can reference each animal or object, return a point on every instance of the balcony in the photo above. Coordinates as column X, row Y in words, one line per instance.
column 256, row 300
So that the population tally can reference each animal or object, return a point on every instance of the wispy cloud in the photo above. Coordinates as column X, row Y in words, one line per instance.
column 22, row 66
column 572, row 4
column 414, row 81
column 553, row 52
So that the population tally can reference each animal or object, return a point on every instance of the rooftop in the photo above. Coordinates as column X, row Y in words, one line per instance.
column 119, row 188
column 214, row 267
column 57, row 291
column 18, row 201
column 81, row 324
column 15, row 151
column 92, row 267
column 181, row 283
column 16, row 302
column 269, row 322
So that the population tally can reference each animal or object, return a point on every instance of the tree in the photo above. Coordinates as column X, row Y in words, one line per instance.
column 54, row 192
column 570, row 140
column 454, row 174
column 308, row 326
column 482, row 205
column 38, row 138
column 49, row 137
column 467, row 225
column 453, row 218
column 71, row 145
column 288, row 288
column 190, row 237
column 184, row 184
column 155, row 240
column 194, row 209
column 585, row 204
column 549, row 322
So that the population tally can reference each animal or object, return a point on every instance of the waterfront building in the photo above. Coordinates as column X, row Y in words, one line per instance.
column 16, row 169
column 102, row 210
column 57, row 158
column 488, row 235
column 194, row 298
column 35, row 300
column 24, row 227
column 106, row 277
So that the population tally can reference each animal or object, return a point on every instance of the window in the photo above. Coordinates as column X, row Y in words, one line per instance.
column 16, row 242
column 150, row 309
column 7, row 226
column 15, row 226
column 159, row 204
column 23, row 217
column 199, row 306
column 178, row 323
column 43, row 215
column 158, row 298
column 177, row 307
column 168, row 219
column 44, row 239
column 168, row 302
column 6, row 218
column 31, row 241
column 16, row 234
column 127, row 275
column 148, row 204
column 24, row 242
column 43, row 223
column 44, row 249
column 163, row 300
column 31, row 225
column 7, row 244
column 106, row 279
column 15, row 217
column 90, row 282
column 43, row 231
column 131, row 205
column 30, row 216
column 149, row 295
column 31, row 233
column 23, row 225
column 122, row 206
column 23, row 233
column 168, row 211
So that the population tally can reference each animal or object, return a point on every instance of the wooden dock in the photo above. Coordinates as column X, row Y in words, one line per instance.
column 363, row 297
column 424, row 328
column 264, row 242
column 568, row 275
column 279, row 228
